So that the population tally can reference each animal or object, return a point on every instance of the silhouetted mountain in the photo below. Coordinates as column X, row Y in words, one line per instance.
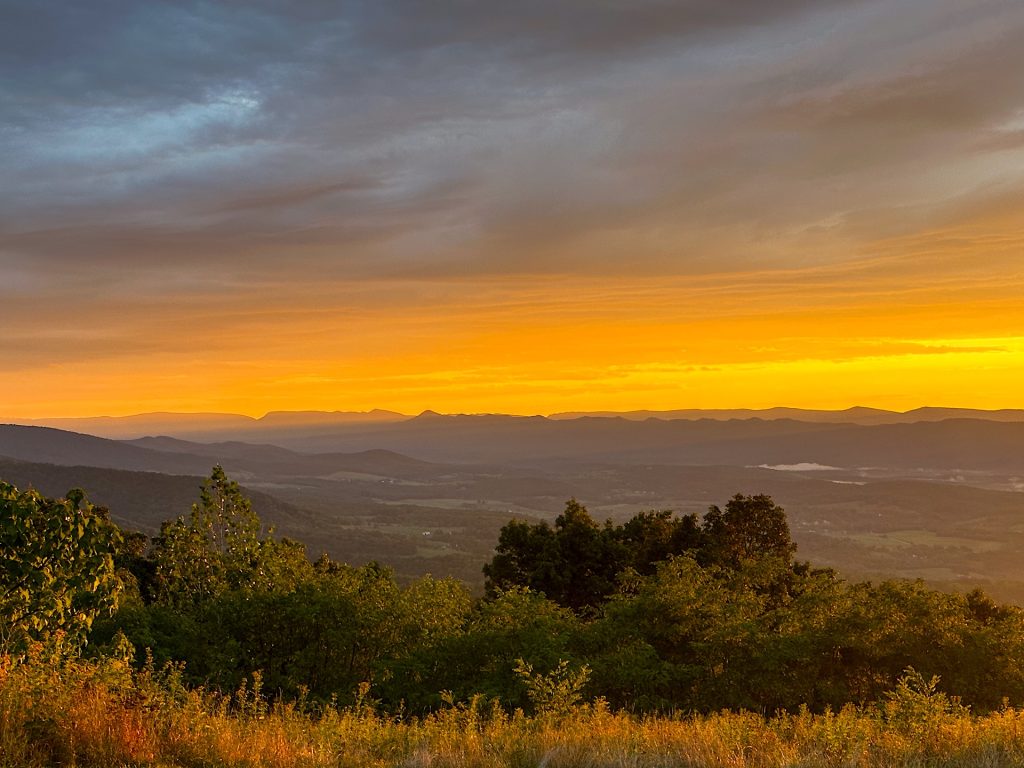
column 170, row 455
column 942, row 414
column 855, row 415
column 946, row 445
column 279, row 426
column 55, row 446
column 273, row 460
column 209, row 426
column 140, row 501
column 426, row 415
column 954, row 444
column 117, row 427
column 307, row 418
column 854, row 493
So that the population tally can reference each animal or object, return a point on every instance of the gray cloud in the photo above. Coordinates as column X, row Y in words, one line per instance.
column 466, row 138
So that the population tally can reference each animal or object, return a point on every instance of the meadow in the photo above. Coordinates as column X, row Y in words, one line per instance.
column 58, row 710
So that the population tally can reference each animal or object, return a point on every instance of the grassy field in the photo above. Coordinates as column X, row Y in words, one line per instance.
column 102, row 714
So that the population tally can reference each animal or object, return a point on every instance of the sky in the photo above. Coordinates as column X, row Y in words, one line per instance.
column 521, row 207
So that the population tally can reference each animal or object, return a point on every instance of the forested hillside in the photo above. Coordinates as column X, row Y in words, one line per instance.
column 218, row 643
column 958, row 530
column 661, row 613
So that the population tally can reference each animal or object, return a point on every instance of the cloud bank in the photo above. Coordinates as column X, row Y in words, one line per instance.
column 316, row 168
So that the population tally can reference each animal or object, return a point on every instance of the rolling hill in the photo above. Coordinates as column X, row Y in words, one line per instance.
column 884, row 500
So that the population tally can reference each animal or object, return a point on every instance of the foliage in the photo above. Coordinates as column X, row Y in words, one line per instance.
column 585, row 563
column 56, row 566
column 556, row 693
column 683, row 638
column 749, row 528
column 99, row 713
column 480, row 657
column 654, row 536
column 661, row 614
column 578, row 563
column 917, row 703
column 220, row 548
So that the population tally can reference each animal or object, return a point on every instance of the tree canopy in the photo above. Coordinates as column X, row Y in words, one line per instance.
column 57, row 569
column 220, row 547
column 662, row 612
column 578, row 563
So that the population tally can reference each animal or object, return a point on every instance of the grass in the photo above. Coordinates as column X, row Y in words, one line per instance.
column 906, row 539
column 56, row 711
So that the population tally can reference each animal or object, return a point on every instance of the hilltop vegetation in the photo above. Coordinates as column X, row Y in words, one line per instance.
column 102, row 714
column 955, row 528
column 217, row 642
column 661, row 613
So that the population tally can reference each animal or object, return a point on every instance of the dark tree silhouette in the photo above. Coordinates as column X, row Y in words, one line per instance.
column 749, row 528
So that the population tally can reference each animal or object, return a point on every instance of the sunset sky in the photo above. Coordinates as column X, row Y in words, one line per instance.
column 523, row 207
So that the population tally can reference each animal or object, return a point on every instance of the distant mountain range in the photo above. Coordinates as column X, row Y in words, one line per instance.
column 948, row 445
column 208, row 427
column 855, row 415
column 141, row 501
column 170, row 455
column 940, row 499
column 360, row 506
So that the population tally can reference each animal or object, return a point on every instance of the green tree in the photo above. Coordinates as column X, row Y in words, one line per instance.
column 588, row 560
column 655, row 536
column 556, row 693
column 57, row 569
column 514, row 625
column 677, row 640
column 750, row 527
column 525, row 556
column 577, row 562
column 220, row 548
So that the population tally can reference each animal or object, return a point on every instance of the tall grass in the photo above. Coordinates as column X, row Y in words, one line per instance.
column 64, row 711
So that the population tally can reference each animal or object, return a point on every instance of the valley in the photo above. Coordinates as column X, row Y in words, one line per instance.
column 935, row 499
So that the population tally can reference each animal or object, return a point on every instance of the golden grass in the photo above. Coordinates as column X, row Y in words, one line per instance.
column 75, row 713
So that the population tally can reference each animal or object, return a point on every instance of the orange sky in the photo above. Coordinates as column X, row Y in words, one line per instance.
column 808, row 337
column 627, row 206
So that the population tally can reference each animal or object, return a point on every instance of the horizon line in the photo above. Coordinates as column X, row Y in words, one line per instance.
column 578, row 413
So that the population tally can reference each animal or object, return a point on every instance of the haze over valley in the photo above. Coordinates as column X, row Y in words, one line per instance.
column 933, row 494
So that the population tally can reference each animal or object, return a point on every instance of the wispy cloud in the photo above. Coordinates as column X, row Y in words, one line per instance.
column 317, row 183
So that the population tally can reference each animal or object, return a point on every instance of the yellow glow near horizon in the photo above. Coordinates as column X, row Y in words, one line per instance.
column 977, row 379
column 638, row 358
column 936, row 319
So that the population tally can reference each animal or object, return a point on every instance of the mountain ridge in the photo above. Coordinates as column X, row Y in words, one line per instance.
column 220, row 427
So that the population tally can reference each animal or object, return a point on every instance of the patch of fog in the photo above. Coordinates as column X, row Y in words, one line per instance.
column 804, row 466
column 848, row 482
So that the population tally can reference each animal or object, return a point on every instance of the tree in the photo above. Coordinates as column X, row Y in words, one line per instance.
column 678, row 641
column 750, row 528
column 57, row 568
column 220, row 548
column 588, row 559
column 515, row 625
column 655, row 536
column 573, row 563
column 576, row 563
column 525, row 556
